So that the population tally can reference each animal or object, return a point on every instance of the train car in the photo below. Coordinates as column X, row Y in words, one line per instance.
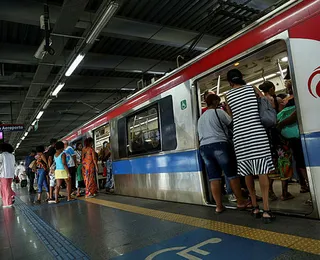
column 153, row 133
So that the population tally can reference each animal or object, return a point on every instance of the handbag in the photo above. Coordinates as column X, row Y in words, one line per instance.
column 33, row 165
column 229, row 135
column 290, row 131
column 268, row 114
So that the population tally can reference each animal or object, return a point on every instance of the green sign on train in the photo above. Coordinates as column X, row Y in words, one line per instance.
column 183, row 104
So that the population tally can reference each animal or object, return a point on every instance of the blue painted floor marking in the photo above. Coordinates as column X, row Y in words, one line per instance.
column 206, row 244
column 57, row 245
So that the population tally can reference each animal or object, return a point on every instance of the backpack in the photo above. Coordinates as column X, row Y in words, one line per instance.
column 268, row 114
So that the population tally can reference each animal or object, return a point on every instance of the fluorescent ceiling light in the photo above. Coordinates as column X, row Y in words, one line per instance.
column 156, row 72
column 22, row 138
column 102, row 22
column 74, row 65
column 26, row 134
column 39, row 115
column 57, row 89
column 34, row 122
column 262, row 79
column 127, row 89
column 284, row 59
column 47, row 103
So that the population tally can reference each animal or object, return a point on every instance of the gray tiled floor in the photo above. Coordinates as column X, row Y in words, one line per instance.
column 17, row 239
column 105, row 233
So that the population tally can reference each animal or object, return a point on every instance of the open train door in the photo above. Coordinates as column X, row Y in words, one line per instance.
column 304, row 46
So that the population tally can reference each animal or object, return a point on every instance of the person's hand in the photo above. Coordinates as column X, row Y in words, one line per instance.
column 280, row 126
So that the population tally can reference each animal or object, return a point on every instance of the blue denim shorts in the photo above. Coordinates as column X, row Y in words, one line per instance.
column 218, row 158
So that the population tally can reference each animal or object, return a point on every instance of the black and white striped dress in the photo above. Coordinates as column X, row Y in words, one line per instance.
column 251, row 142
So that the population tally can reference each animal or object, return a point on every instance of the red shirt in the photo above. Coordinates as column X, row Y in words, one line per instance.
column 204, row 109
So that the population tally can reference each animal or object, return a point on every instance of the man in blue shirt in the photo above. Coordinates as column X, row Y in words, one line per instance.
column 31, row 175
column 71, row 162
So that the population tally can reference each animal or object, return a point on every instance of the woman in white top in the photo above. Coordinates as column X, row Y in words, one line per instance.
column 7, row 162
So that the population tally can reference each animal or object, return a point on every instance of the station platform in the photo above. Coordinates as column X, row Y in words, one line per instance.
column 118, row 227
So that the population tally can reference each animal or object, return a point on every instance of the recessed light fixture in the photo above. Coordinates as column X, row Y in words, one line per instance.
column 57, row 89
column 237, row 64
column 74, row 64
column 284, row 59
column 39, row 115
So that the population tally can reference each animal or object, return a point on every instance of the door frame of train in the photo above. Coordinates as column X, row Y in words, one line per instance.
column 284, row 36
column 196, row 110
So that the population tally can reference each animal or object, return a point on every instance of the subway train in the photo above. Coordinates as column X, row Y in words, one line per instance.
column 153, row 133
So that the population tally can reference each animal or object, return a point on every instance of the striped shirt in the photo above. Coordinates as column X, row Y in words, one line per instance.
column 250, row 138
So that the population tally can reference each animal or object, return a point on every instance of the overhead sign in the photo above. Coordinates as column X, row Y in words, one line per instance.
column 11, row 128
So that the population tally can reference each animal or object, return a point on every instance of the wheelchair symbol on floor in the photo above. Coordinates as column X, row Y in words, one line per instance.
column 184, row 251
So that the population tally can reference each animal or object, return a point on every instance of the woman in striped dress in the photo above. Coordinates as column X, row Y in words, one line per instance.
column 251, row 141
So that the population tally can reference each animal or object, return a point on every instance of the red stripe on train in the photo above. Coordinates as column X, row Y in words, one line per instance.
column 276, row 25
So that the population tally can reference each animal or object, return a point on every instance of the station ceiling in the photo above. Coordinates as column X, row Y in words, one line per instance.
column 142, row 41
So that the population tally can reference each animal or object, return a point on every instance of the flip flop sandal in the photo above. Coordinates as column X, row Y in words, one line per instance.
column 247, row 205
column 219, row 212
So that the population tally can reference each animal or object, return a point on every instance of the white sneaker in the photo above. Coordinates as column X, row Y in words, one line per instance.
column 8, row 206
column 232, row 198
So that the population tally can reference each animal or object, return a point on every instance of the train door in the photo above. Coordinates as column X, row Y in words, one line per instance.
column 304, row 44
column 289, row 185
column 101, row 138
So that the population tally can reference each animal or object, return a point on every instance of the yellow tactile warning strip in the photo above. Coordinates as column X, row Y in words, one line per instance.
column 294, row 242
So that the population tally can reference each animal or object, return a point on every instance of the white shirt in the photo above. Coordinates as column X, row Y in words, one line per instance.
column 19, row 170
column 7, row 162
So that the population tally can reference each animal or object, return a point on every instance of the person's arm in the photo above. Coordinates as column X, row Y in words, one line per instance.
column 43, row 158
column 82, row 155
column 50, row 160
column 64, row 162
column 281, row 103
column 224, row 117
column 74, row 157
column 95, row 161
column 288, row 121
column 258, row 92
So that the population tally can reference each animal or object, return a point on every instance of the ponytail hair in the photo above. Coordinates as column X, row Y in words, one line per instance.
column 235, row 76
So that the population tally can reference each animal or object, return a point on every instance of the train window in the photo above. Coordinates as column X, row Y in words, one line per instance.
column 143, row 131
column 168, row 126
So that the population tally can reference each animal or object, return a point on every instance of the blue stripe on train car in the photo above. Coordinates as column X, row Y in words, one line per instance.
column 169, row 163
column 311, row 145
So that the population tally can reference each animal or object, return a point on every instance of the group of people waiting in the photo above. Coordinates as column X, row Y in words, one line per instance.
column 62, row 165
column 234, row 142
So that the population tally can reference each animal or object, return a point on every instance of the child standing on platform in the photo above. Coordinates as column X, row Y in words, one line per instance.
column 61, row 171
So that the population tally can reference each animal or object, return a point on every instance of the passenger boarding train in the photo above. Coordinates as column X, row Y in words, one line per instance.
column 153, row 132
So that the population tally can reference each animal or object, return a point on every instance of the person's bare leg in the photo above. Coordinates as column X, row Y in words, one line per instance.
column 264, row 186
column 250, row 185
column 271, row 185
column 51, row 190
column 216, row 193
column 57, row 190
column 235, row 186
column 69, row 188
column 303, row 176
column 284, row 188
